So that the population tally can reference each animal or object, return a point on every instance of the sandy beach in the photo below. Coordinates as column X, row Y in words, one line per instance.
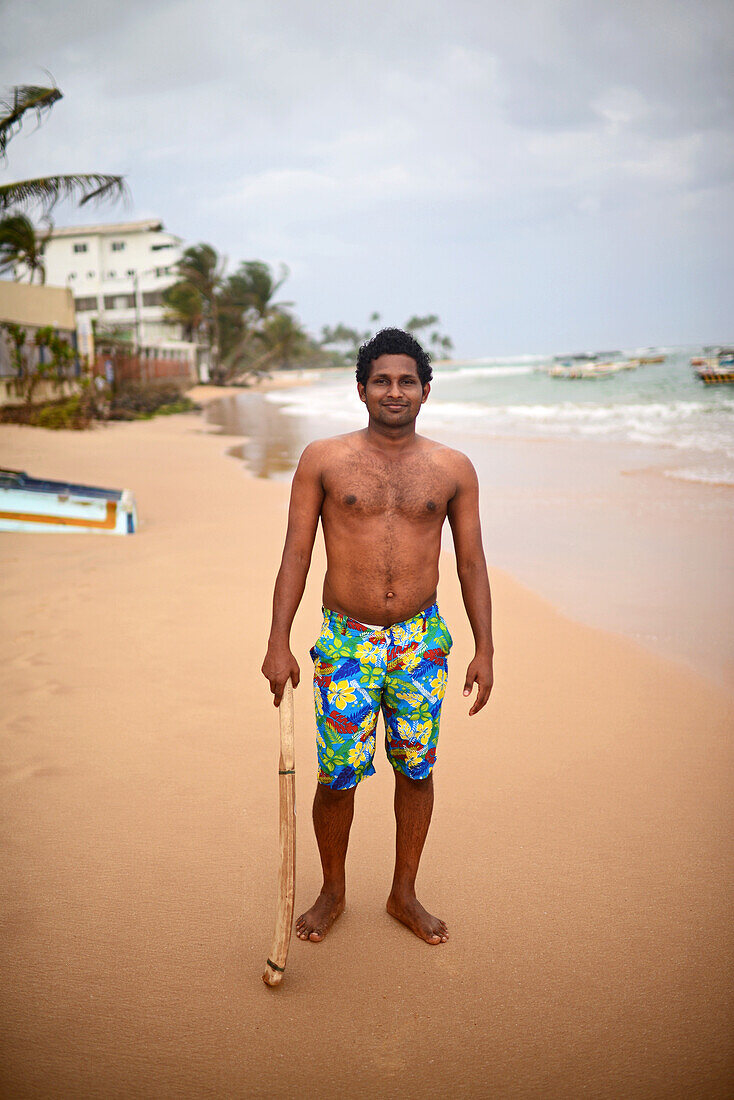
column 580, row 852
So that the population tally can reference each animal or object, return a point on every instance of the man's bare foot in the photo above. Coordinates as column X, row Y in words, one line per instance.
column 412, row 914
column 316, row 922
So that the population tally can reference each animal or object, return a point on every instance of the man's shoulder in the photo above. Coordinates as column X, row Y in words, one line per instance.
column 320, row 451
column 454, row 460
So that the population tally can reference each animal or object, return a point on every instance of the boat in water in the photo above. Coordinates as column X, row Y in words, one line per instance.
column 590, row 368
column 716, row 368
column 37, row 504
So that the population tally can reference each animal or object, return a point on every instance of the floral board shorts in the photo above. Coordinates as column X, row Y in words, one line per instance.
column 359, row 670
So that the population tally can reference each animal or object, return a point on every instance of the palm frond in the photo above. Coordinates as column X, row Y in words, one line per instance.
column 21, row 246
column 48, row 190
column 25, row 97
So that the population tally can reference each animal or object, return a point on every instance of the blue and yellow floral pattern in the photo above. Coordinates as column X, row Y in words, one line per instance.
column 359, row 671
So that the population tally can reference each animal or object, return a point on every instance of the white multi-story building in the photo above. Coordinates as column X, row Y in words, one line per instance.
column 117, row 274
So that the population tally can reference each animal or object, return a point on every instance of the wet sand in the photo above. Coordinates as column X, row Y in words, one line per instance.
column 580, row 850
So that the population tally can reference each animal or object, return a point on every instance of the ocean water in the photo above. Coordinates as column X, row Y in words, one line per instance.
column 656, row 406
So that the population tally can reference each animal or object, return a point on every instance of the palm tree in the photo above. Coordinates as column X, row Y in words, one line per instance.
column 21, row 247
column 202, row 269
column 246, row 303
column 284, row 341
column 417, row 326
column 46, row 190
column 185, row 305
column 255, row 286
column 346, row 341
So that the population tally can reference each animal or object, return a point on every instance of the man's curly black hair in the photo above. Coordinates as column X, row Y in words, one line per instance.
column 393, row 341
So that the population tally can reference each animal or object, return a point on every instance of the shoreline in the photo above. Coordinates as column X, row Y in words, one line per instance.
column 589, row 805
column 206, row 393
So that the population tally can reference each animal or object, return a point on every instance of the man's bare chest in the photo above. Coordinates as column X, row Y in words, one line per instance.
column 413, row 490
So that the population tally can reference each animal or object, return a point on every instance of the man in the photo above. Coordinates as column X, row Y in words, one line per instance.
column 382, row 495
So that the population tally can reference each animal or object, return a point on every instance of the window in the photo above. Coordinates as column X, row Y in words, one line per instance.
column 111, row 274
column 152, row 298
column 80, row 248
column 117, row 246
column 160, row 271
column 119, row 301
column 90, row 274
column 159, row 247
column 130, row 271
column 72, row 275
column 83, row 304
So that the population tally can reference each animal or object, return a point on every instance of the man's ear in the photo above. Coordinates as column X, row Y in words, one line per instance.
column 426, row 391
column 360, row 391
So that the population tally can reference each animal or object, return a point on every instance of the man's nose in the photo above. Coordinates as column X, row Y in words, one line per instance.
column 395, row 389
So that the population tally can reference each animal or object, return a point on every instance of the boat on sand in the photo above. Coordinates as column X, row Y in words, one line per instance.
column 37, row 504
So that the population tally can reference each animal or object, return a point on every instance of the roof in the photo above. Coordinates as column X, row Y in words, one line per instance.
column 151, row 225
column 25, row 304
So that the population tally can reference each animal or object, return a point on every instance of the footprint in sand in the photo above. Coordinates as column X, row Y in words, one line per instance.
column 16, row 773
column 28, row 660
column 49, row 687
column 20, row 724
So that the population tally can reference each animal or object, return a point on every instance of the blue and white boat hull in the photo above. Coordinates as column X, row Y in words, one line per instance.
column 36, row 504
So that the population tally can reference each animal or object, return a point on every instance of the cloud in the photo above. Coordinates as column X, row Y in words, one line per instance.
column 300, row 131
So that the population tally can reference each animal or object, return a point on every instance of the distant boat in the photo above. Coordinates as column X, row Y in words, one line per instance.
column 579, row 359
column 645, row 359
column 583, row 365
column 716, row 369
column 36, row 504
column 592, row 368
column 571, row 366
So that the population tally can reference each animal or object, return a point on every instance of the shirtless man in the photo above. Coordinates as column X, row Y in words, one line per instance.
column 382, row 495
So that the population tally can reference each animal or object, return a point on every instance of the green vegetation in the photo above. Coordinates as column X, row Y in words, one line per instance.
column 425, row 329
column 346, row 341
column 248, row 331
column 21, row 246
column 45, row 357
column 71, row 413
column 237, row 316
column 138, row 401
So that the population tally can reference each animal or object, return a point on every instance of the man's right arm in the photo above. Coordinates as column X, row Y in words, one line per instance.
column 307, row 495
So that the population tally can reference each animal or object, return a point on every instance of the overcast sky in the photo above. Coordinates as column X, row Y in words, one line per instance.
column 547, row 175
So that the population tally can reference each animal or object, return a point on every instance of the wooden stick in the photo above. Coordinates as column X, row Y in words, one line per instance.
column 287, row 872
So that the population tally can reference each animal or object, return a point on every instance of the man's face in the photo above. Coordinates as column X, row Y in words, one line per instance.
column 393, row 393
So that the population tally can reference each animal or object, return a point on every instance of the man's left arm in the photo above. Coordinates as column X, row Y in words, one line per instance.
column 463, row 516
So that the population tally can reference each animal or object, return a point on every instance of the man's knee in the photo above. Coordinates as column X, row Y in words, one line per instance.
column 333, row 797
column 411, row 784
